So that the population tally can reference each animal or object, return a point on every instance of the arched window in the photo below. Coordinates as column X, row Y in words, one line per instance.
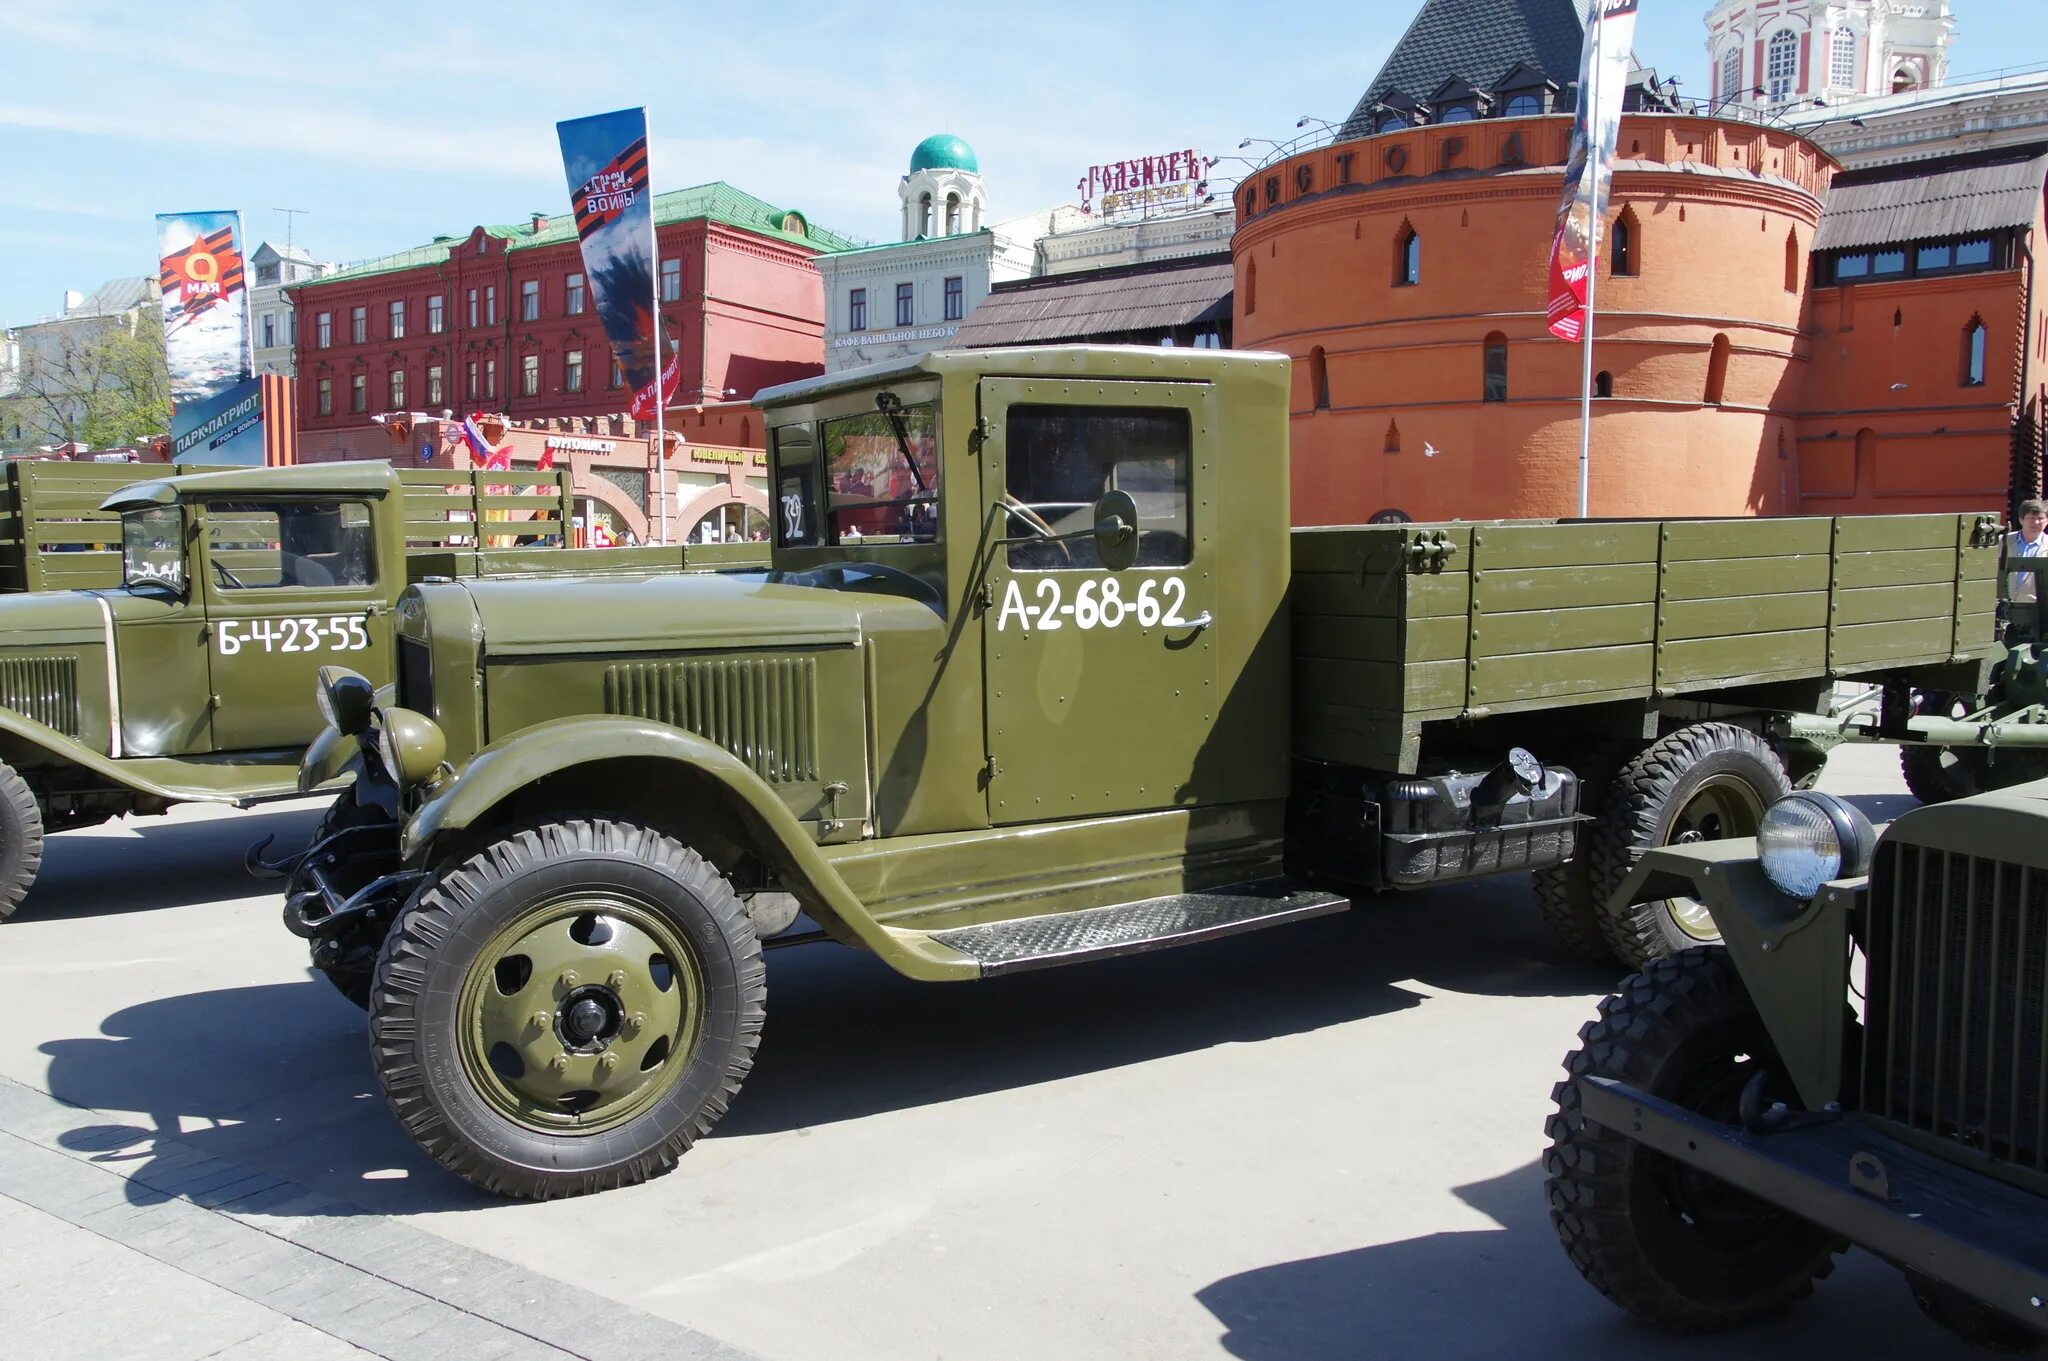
column 1457, row 113
column 1731, row 71
column 1842, row 59
column 1392, row 122
column 1524, row 106
column 924, row 215
column 1603, row 384
column 1393, row 438
column 1973, row 353
column 1319, row 379
column 1251, row 287
column 1496, row 368
column 1717, row 370
column 1792, row 261
column 1621, row 241
column 1407, row 256
column 1904, row 79
column 1781, row 65
column 952, row 214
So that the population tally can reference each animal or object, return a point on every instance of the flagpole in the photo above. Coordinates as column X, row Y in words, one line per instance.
column 660, row 402
column 1592, row 97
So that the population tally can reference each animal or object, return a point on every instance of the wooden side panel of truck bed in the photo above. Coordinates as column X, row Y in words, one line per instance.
column 1396, row 626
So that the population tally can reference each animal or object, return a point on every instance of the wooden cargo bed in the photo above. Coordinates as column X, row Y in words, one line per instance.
column 1397, row 626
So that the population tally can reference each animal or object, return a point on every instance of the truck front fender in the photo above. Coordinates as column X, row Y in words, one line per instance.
column 562, row 746
column 142, row 775
column 1793, row 956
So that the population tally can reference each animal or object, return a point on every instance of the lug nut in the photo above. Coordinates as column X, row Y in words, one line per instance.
column 634, row 1020
column 616, row 979
column 541, row 1019
column 608, row 1062
column 569, row 978
column 560, row 1063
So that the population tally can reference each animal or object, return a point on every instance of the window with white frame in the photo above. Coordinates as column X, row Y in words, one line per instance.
column 1731, row 72
column 1781, row 65
column 1842, row 59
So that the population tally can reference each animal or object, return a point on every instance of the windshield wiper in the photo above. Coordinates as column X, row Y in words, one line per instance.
column 891, row 407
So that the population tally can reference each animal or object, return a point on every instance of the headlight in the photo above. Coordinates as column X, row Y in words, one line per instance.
column 345, row 699
column 411, row 745
column 1808, row 838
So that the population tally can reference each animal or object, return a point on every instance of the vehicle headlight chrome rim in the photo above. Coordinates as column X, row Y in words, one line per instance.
column 1809, row 838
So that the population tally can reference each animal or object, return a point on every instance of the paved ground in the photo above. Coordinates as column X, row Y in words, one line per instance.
column 1316, row 1142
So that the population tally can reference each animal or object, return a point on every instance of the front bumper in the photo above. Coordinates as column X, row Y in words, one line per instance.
column 1924, row 1214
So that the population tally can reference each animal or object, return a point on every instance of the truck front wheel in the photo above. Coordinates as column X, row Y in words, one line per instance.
column 1706, row 782
column 568, row 1009
column 21, row 840
column 1676, row 1248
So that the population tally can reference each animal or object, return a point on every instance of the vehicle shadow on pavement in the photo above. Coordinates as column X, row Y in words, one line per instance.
column 1511, row 1292
column 848, row 1038
column 274, row 1077
column 179, row 864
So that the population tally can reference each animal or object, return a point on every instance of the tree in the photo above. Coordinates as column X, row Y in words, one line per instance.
column 98, row 380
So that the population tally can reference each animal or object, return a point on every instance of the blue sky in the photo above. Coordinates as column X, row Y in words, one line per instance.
column 392, row 123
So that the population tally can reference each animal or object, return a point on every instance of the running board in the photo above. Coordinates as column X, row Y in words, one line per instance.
column 1129, row 928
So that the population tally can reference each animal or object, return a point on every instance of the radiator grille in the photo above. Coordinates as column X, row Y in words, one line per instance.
column 762, row 710
column 1957, row 1037
column 42, row 688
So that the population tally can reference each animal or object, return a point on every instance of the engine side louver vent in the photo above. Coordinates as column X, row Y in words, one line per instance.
column 762, row 710
column 42, row 688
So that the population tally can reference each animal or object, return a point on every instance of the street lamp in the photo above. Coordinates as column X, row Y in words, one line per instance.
column 1308, row 118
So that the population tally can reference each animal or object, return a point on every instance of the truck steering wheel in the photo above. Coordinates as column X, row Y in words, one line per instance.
column 1035, row 522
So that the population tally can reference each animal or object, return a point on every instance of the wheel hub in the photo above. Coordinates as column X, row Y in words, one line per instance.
column 591, row 1017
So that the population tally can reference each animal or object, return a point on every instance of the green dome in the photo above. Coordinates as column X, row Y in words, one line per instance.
column 944, row 151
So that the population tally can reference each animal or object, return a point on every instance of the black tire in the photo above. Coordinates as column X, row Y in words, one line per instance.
column 1659, row 798
column 441, row 945
column 1678, row 1249
column 21, row 840
column 1937, row 774
column 1564, row 893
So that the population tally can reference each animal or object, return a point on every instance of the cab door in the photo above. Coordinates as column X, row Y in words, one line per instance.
column 291, row 584
column 1102, row 685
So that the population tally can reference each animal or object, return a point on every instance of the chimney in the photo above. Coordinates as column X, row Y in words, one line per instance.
column 73, row 300
column 540, row 223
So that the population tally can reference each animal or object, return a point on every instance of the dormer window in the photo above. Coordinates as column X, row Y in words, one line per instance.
column 1524, row 105
column 1391, row 122
column 1457, row 113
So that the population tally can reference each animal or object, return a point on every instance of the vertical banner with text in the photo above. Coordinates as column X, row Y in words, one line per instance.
column 217, row 408
column 605, row 157
column 1603, row 80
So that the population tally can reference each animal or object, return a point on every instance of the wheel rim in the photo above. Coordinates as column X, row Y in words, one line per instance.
column 1722, row 806
column 580, row 1013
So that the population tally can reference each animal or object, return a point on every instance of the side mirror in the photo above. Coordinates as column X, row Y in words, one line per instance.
column 1116, row 530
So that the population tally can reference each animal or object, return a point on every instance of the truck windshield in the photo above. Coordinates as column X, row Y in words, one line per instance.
column 153, row 547
column 876, row 493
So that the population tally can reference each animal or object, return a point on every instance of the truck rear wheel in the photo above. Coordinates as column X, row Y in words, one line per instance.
column 1565, row 898
column 1706, row 782
column 21, row 839
column 1678, row 1249
column 568, row 1009
column 1937, row 774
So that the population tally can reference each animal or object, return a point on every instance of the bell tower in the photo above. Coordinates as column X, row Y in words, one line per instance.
column 942, row 195
column 1806, row 52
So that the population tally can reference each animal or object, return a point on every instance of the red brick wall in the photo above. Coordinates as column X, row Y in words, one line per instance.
column 760, row 320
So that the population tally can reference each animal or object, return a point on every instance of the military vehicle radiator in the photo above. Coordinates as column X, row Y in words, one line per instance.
column 1957, row 952
column 42, row 688
column 762, row 710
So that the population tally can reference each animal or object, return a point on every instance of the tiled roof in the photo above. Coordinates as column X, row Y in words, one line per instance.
column 1478, row 40
column 1919, row 200
column 1102, row 303
column 717, row 201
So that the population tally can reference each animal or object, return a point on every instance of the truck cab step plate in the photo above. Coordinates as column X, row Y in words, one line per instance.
column 1128, row 928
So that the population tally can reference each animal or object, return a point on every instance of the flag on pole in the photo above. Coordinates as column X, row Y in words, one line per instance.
column 1603, row 79
column 605, row 159
column 491, row 459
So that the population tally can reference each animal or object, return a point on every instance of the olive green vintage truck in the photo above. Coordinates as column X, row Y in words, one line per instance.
column 1039, row 675
column 1864, row 1060
column 187, row 674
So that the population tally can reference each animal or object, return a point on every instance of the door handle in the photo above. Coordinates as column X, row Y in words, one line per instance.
column 1201, row 621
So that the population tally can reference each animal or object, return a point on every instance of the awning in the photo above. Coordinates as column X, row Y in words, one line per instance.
column 1893, row 205
column 1080, row 306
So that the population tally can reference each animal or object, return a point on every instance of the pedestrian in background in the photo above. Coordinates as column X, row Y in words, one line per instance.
column 2023, row 589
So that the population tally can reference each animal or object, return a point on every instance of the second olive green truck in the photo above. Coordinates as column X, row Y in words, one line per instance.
column 161, row 640
column 1039, row 674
